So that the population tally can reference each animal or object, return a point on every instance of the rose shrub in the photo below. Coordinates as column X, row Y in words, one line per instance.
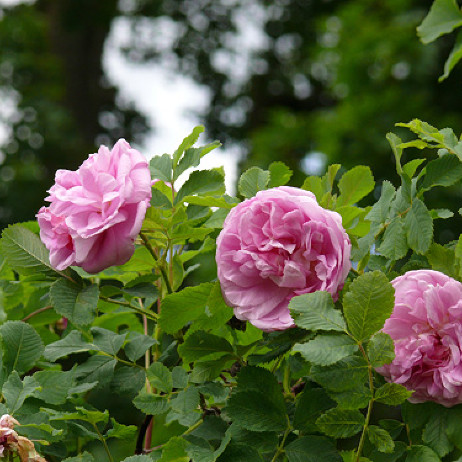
column 97, row 211
column 274, row 246
column 426, row 327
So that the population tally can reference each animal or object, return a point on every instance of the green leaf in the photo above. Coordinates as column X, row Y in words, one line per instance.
column 418, row 453
column 202, row 182
column 186, row 401
column 54, row 385
column 434, row 435
column 161, row 168
column 419, row 227
column 22, row 346
column 444, row 171
column 179, row 377
column 309, row 406
column 78, row 304
column 151, row 404
column 368, row 304
column 453, row 428
column 380, row 438
column 380, row 211
column 312, row 449
column 253, row 180
column 354, row 185
column 255, row 411
column 453, row 58
column 191, row 158
column 121, row 432
column 72, row 343
column 341, row 423
column 394, row 244
column 356, row 398
column 84, row 457
column 344, row 375
column 392, row 394
column 280, row 174
column 160, row 377
column 211, row 201
column 380, row 349
column 444, row 16
column 442, row 259
column 315, row 185
column 25, row 252
column 187, row 143
column 137, row 345
column 395, row 142
column 410, row 168
column 200, row 345
column 182, row 307
column 316, row 311
column 138, row 459
column 80, row 413
column 327, row 349
column 107, row 341
column 16, row 391
column 97, row 368
column 240, row 453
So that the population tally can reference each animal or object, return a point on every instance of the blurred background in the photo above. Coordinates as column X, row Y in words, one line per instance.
column 308, row 82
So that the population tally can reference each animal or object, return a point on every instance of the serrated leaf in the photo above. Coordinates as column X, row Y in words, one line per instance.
column 22, row 346
column 107, row 341
column 410, row 168
column 444, row 171
column 76, row 303
column 380, row 438
column 187, row 143
column 182, row 307
column 312, row 449
column 354, row 185
column 84, row 457
column 161, row 168
column 392, row 394
column 327, row 349
column 179, row 377
column 137, row 345
column 72, row 343
column 418, row 453
column 394, row 244
column 121, row 432
column 201, row 345
column 356, row 398
column 280, row 174
column 309, row 406
column 315, row 185
column 54, row 385
column 368, row 303
column 151, row 404
column 434, row 435
column 316, row 311
column 254, row 411
column 380, row 349
column 419, row 227
column 341, row 423
column 160, row 377
column 186, row 401
column 202, row 182
column 453, row 58
column 381, row 209
column 97, row 368
column 25, row 253
column 444, row 16
column 253, row 180
column 16, row 391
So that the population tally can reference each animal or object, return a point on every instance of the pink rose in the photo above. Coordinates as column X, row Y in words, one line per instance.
column 426, row 326
column 274, row 246
column 97, row 211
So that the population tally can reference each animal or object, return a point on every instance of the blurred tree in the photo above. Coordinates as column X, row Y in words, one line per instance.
column 61, row 103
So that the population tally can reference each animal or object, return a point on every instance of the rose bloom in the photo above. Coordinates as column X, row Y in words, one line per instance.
column 426, row 326
column 275, row 246
column 97, row 211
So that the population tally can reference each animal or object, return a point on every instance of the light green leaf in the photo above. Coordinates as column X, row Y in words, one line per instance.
column 202, row 182
column 22, row 346
column 327, row 349
column 381, row 209
column 182, row 307
column 253, row 180
column 367, row 304
column 444, row 171
column 380, row 438
column 392, row 394
column 380, row 349
column 394, row 244
column 200, row 345
column 187, row 143
column 72, row 343
column 16, row 391
column 160, row 377
column 212, row 201
column 341, row 423
column 453, row 58
column 315, row 185
column 395, row 142
column 312, row 449
column 161, row 168
column 419, row 227
column 25, row 252
column 444, row 16
column 354, row 185
column 121, row 432
column 280, row 174
column 410, row 168
column 78, row 304
column 442, row 259
column 316, row 311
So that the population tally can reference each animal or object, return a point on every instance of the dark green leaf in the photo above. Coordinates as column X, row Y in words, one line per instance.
column 453, row 58
column 419, row 227
column 107, row 341
column 312, row 449
column 72, row 343
column 392, row 394
column 309, row 406
column 151, row 404
column 137, row 345
column 444, row 171
column 380, row 438
column 419, row 453
column 96, row 369
column 200, row 345
column 160, row 377
column 179, row 377
column 84, row 457
column 253, row 180
column 356, row 398
column 434, row 435
column 16, row 391
column 121, row 432
column 341, row 423
column 54, row 385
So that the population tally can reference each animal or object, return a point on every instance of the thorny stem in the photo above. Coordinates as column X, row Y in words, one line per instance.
column 151, row 250
column 34, row 313
column 369, row 408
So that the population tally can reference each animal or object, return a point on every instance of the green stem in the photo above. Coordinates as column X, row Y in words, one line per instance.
column 106, row 447
column 286, row 379
column 34, row 313
column 149, row 314
column 280, row 448
column 369, row 408
column 128, row 363
column 151, row 250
